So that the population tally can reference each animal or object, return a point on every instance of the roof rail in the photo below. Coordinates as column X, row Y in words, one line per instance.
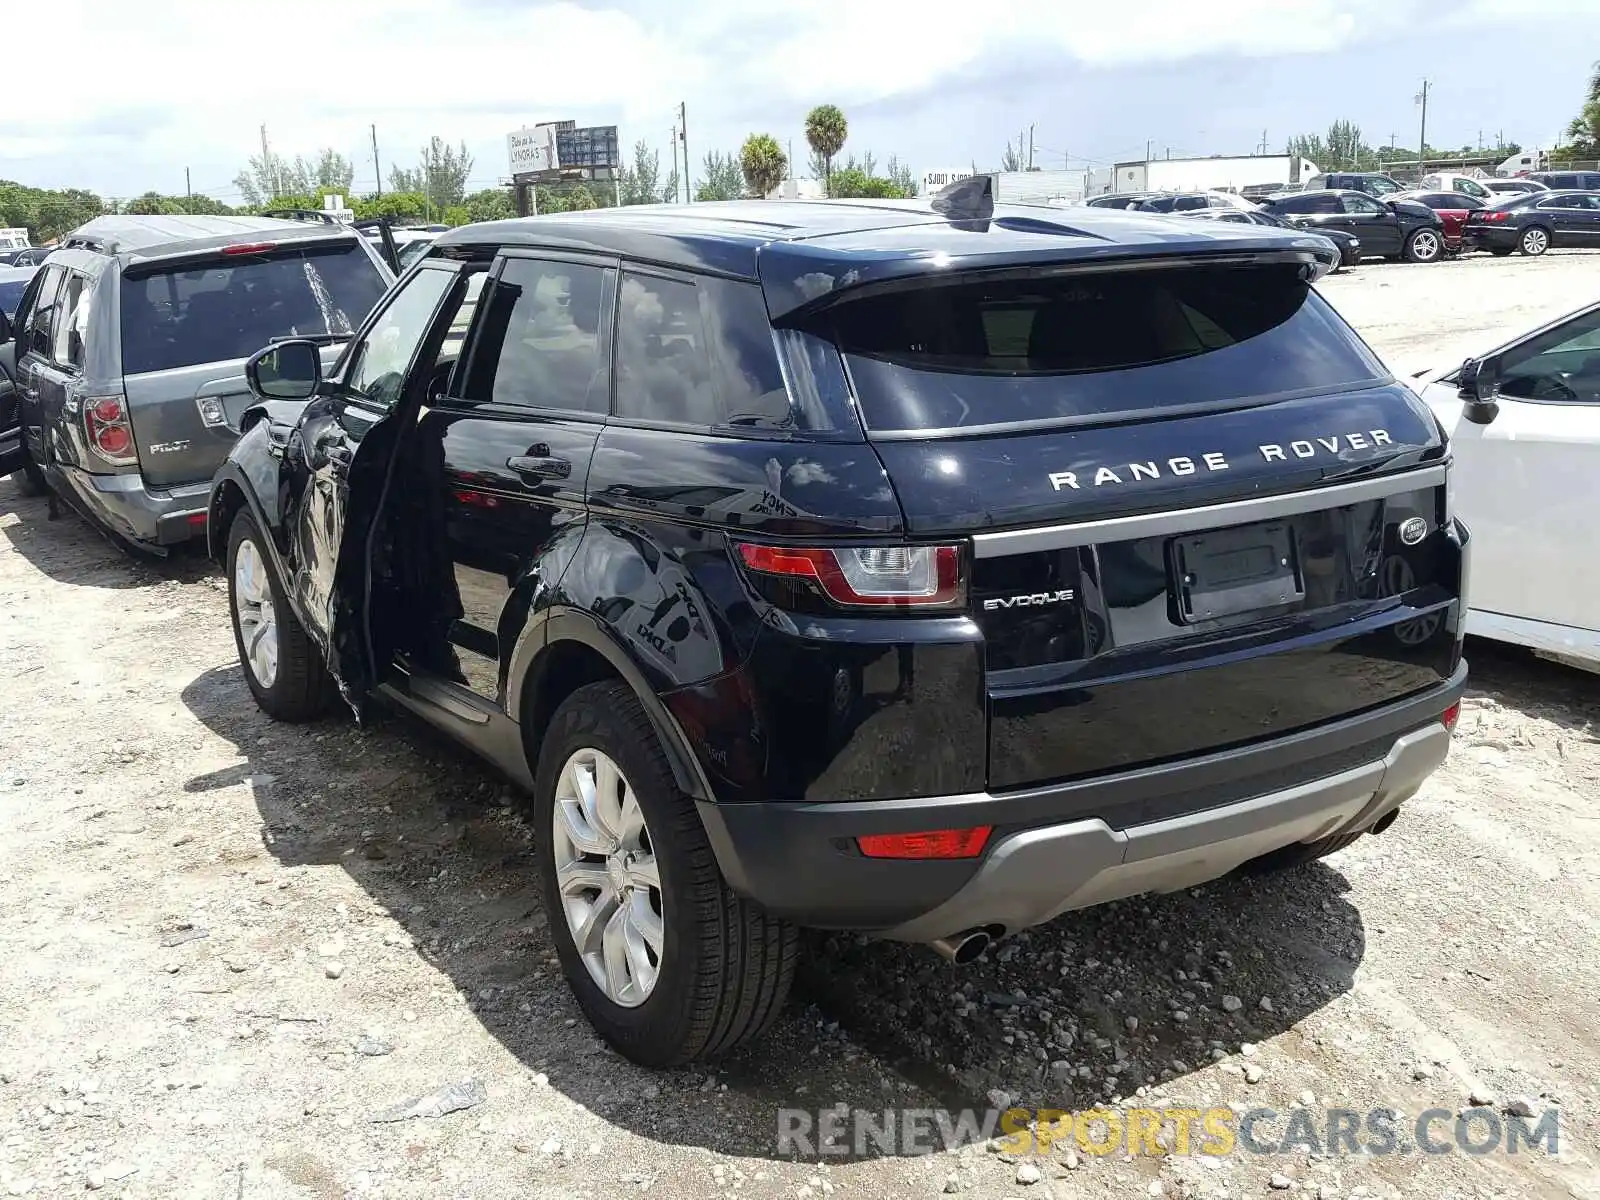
column 301, row 214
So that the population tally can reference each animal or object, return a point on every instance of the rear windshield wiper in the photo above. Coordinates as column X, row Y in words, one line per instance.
column 322, row 339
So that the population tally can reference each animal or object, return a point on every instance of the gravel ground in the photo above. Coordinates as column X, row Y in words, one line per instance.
column 248, row 960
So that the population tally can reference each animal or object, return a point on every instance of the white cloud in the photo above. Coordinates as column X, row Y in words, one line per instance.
column 191, row 81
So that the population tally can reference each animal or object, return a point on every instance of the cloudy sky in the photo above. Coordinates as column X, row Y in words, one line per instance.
column 188, row 83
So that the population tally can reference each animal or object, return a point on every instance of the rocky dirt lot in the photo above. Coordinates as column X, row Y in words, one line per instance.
column 247, row 960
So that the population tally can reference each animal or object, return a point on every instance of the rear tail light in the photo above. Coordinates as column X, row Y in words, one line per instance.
column 1493, row 217
column 937, row 843
column 1451, row 716
column 866, row 577
column 247, row 248
column 105, row 424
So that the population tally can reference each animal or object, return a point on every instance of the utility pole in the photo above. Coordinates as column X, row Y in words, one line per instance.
column 377, row 166
column 683, row 136
column 1030, row 147
column 1148, row 145
column 188, row 188
column 1263, row 141
column 266, row 163
column 1422, row 136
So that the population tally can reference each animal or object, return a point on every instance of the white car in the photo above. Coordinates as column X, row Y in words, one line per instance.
column 1451, row 181
column 1524, row 425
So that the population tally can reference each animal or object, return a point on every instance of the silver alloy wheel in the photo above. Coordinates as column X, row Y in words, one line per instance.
column 256, row 613
column 1535, row 241
column 606, row 872
column 1425, row 246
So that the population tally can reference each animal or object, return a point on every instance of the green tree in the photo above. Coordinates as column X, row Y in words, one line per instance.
column 763, row 163
column 440, row 175
column 672, row 189
column 490, row 204
column 396, row 205
column 153, row 204
column 641, row 183
column 720, row 177
column 826, row 131
column 903, row 178
column 46, row 214
column 1011, row 160
column 269, row 176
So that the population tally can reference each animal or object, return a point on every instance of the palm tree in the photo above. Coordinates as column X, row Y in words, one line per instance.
column 826, row 130
column 763, row 163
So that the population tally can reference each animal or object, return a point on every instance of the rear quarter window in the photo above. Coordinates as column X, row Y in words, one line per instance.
column 698, row 352
column 967, row 355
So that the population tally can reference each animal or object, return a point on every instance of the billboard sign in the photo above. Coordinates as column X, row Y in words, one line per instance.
column 533, row 150
column 932, row 181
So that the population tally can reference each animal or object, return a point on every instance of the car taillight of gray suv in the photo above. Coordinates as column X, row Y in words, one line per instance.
column 921, row 569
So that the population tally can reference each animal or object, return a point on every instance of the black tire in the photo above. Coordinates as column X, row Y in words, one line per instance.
column 1424, row 246
column 302, row 689
column 1298, row 854
column 726, row 965
column 1535, row 240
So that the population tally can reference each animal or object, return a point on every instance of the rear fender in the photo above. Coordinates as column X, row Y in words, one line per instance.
column 554, row 626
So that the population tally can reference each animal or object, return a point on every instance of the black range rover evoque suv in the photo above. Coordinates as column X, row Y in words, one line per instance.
column 921, row 568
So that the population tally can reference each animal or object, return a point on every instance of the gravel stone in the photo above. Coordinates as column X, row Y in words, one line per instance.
column 1280, row 1183
column 1028, row 1174
column 1232, row 1004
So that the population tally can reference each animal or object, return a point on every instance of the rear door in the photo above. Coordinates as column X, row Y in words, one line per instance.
column 504, row 456
column 1568, row 219
column 187, row 328
column 1183, row 490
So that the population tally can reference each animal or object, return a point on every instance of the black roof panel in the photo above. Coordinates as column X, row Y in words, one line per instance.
column 801, row 250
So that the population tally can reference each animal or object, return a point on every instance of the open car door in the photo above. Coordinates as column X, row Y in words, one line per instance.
column 333, row 476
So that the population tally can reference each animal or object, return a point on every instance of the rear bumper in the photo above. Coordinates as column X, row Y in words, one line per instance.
column 1053, row 850
column 1492, row 239
column 149, row 516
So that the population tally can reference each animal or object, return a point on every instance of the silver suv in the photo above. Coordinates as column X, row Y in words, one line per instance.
column 129, row 348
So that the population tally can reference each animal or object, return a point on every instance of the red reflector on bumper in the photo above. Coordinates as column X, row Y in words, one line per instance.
column 1452, row 715
column 936, row 843
column 198, row 518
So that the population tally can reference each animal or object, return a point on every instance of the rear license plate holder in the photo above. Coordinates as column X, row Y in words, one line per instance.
column 1225, row 572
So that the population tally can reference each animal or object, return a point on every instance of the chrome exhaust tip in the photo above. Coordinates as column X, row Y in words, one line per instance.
column 963, row 948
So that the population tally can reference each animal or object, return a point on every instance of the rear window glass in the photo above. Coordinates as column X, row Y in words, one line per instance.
column 231, row 307
column 975, row 354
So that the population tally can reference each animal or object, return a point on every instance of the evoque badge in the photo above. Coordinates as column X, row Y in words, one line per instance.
column 1029, row 600
column 1413, row 530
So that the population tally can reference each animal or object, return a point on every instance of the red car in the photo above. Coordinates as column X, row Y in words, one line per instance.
column 1452, row 208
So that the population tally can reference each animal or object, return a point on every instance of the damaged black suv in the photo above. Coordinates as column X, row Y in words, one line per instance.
column 923, row 569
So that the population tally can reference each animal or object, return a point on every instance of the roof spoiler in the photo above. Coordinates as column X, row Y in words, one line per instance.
column 969, row 199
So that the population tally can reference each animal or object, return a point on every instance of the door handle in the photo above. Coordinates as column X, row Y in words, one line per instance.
column 339, row 454
column 540, row 466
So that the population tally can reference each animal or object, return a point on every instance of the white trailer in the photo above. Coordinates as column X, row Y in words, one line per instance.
column 1219, row 173
column 14, row 239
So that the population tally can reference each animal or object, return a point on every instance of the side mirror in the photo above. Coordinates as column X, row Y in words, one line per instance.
column 6, row 332
column 1479, row 389
column 288, row 370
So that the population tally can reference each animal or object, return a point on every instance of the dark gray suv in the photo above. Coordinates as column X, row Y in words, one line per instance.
column 128, row 354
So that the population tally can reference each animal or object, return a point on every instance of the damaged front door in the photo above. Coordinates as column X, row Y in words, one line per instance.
column 340, row 454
